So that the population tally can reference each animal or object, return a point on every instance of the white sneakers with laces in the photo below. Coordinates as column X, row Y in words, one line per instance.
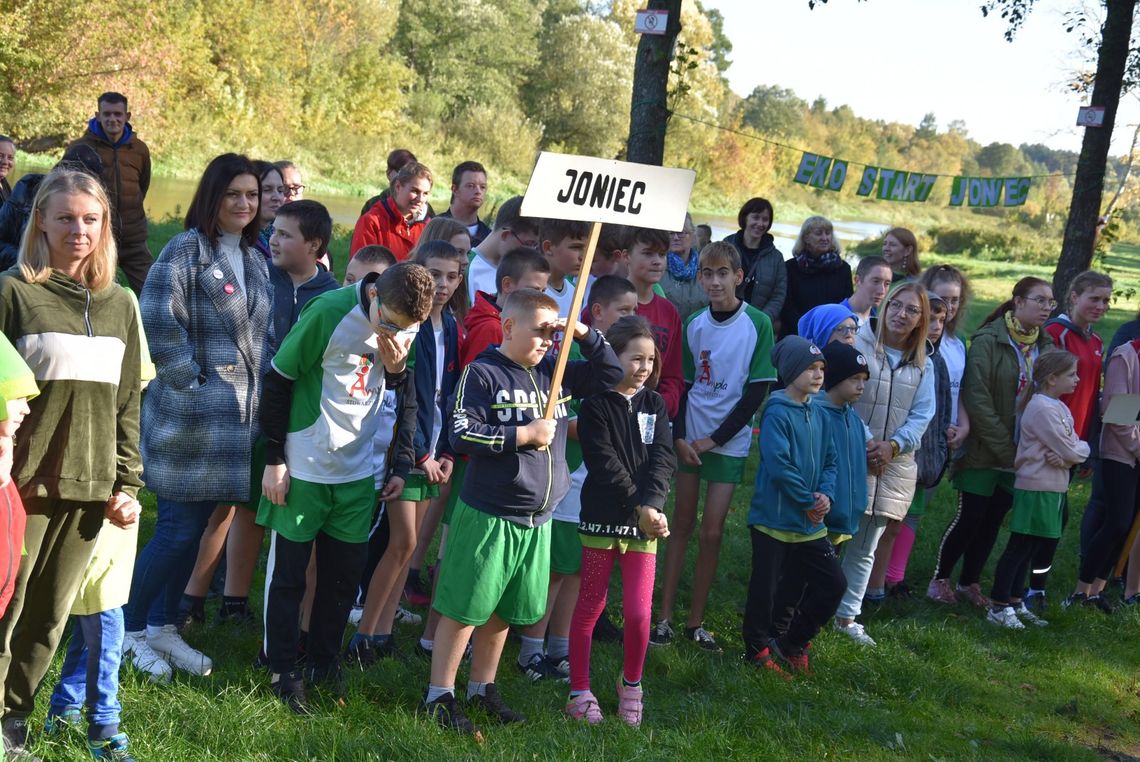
column 168, row 644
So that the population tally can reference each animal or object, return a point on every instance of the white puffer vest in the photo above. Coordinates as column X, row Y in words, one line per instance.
column 886, row 401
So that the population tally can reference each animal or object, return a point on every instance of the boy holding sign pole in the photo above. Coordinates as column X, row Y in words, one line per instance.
column 496, row 570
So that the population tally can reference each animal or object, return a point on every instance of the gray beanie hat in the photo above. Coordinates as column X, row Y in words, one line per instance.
column 792, row 355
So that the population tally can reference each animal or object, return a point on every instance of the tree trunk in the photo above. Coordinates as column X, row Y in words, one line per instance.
column 648, row 111
column 1088, row 185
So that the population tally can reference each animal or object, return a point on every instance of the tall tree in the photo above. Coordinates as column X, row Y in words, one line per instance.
column 1113, row 56
column 649, row 111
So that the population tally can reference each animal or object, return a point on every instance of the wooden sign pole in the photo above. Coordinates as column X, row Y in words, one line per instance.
column 572, row 322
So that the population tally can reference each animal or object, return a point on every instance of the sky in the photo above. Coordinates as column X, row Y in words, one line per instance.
column 898, row 60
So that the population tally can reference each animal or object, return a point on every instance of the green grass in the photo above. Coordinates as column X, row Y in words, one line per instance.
column 942, row 683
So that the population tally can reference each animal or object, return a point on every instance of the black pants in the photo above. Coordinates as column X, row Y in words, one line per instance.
column 1009, row 575
column 1108, row 519
column 972, row 534
column 338, row 573
column 823, row 585
column 135, row 261
column 377, row 545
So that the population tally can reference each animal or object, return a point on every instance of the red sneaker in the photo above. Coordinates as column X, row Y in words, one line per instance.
column 797, row 663
column 763, row 660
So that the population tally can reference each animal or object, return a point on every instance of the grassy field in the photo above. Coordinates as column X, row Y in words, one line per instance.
column 942, row 683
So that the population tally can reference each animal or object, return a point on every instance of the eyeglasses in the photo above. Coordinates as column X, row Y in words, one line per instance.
column 894, row 305
column 395, row 330
column 1042, row 301
column 293, row 190
column 529, row 244
column 846, row 330
column 681, row 234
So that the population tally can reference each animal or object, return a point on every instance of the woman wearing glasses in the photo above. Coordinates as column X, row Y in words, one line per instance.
column 680, row 282
column 898, row 403
column 206, row 308
column 998, row 367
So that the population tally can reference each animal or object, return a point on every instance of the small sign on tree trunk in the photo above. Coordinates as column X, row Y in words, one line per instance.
column 651, row 22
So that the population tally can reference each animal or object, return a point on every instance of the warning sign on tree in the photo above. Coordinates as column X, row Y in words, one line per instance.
column 651, row 22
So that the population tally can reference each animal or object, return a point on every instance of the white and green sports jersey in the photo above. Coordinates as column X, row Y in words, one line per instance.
column 338, row 384
column 720, row 360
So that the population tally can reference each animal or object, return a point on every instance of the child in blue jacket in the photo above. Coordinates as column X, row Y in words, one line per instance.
column 795, row 488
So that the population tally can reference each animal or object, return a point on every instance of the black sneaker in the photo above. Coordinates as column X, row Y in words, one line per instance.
column 1099, row 602
column 542, row 668
column 239, row 615
column 361, row 653
column 606, row 631
column 290, row 688
column 190, row 612
column 1132, row 600
column 327, row 677
column 492, row 703
column 900, row 591
column 662, row 634
column 703, row 638
column 15, row 731
column 446, row 711
column 1073, row 599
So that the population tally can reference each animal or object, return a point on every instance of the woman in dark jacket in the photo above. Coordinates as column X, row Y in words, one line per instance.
column 206, row 308
column 817, row 273
column 765, row 283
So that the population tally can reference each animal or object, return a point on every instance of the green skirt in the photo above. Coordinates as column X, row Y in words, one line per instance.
column 1037, row 514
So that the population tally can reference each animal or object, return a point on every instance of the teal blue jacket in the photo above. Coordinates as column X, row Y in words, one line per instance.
column 797, row 459
column 850, row 437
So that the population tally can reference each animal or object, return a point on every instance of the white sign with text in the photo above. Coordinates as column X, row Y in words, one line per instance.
column 585, row 188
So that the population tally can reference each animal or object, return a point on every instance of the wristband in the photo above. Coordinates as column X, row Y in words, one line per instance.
column 894, row 449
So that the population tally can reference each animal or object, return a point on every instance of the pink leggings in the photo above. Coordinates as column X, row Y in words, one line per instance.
column 637, row 571
column 900, row 554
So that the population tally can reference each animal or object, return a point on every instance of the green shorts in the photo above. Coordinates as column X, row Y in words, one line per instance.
column 983, row 481
column 342, row 511
column 417, row 487
column 565, row 548
column 717, row 468
column 493, row 566
column 918, row 504
column 620, row 544
column 1037, row 514
column 456, row 488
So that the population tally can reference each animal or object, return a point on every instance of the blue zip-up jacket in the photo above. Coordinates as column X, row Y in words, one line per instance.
column 797, row 459
column 289, row 300
column 422, row 362
column 495, row 396
column 850, row 436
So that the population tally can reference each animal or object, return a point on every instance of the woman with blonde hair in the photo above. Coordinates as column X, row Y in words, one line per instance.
column 77, row 457
column 817, row 273
column 897, row 405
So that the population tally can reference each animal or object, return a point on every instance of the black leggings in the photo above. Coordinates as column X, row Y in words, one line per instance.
column 972, row 534
column 1107, row 520
column 1009, row 575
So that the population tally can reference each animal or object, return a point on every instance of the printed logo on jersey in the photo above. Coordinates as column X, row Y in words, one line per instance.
column 358, row 388
column 706, row 375
column 521, row 406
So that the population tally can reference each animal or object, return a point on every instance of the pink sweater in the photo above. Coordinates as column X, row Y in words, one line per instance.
column 1047, row 425
column 1122, row 376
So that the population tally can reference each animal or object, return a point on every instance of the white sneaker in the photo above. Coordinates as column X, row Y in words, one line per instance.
column 403, row 616
column 1005, row 618
column 355, row 614
column 1025, row 615
column 170, row 645
column 856, row 632
column 144, row 658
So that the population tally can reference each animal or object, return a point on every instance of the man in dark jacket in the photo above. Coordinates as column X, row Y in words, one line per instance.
column 126, row 175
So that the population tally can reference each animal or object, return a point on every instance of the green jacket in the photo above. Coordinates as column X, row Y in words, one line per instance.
column 989, row 391
column 81, row 440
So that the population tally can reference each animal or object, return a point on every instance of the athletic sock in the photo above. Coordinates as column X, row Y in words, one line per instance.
column 435, row 691
column 193, row 603
column 557, row 648
column 357, row 640
column 476, row 689
column 234, row 603
column 426, row 644
column 628, row 684
column 380, row 639
column 153, row 631
column 530, row 647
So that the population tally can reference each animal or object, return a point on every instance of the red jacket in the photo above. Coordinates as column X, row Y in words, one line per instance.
column 484, row 328
column 384, row 225
column 1089, row 349
column 662, row 315
column 12, row 521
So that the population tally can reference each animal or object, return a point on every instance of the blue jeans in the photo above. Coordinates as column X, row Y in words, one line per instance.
column 90, row 675
column 164, row 566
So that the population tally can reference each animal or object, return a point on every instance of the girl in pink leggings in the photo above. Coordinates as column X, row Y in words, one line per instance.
column 629, row 465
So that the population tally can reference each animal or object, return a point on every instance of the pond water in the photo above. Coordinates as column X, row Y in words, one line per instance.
column 171, row 196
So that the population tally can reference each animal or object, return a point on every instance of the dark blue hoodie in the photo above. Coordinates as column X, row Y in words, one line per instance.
column 495, row 396
column 423, row 364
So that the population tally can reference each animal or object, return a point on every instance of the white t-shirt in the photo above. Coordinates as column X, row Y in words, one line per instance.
column 953, row 351
column 720, row 360
column 382, row 439
column 563, row 297
column 480, row 275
